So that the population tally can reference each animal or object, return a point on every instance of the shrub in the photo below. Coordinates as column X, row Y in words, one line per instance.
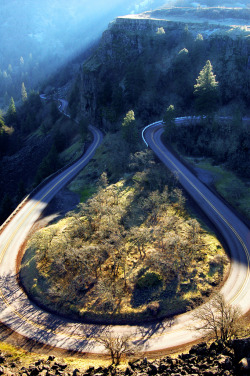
column 148, row 280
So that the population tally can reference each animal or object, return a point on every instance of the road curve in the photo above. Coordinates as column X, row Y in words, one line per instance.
column 236, row 290
column 24, row 317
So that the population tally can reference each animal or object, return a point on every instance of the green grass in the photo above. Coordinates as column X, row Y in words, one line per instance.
column 229, row 185
column 73, row 151
column 87, row 193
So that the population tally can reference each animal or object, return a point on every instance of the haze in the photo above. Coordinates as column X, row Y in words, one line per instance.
column 39, row 37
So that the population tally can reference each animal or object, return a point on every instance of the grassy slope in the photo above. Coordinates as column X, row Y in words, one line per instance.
column 232, row 188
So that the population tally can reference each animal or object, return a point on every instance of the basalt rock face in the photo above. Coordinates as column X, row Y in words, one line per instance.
column 145, row 64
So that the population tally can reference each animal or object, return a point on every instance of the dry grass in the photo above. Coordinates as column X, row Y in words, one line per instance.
column 125, row 302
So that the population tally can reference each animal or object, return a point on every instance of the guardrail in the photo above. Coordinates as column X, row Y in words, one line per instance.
column 150, row 125
column 178, row 120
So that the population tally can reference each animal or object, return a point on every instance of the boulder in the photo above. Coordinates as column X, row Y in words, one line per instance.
column 217, row 346
column 200, row 349
column 39, row 362
column 225, row 362
column 51, row 358
column 244, row 365
column 33, row 370
column 61, row 365
column 163, row 368
column 241, row 348
column 194, row 369
column 129, row 371
column 186, row 356
column 134, row 364
column 152, row 369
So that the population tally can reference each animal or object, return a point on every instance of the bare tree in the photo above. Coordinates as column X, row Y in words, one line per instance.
column 220, row 319
column 117, row 345
column 139, row 237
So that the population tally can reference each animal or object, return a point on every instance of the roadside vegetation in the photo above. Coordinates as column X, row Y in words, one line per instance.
column 221, row 149
column 221, row 144
column 230, row 186
column 35, row 141
column 130, row 252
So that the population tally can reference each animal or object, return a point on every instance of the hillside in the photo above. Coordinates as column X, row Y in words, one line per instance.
column 143, row 64
column 150, row 61
column 36, row 38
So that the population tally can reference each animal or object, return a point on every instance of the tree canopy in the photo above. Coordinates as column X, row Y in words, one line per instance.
column 24, row 93
column 206, row 90
column 169, row 121
column 11, row 113
column 129, row 129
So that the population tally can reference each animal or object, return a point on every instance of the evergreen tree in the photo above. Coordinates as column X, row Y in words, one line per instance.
column 11, row 116
column 24, row 93
column 2, row 124
column 169, row 122
column 129, row 128
column 206, row 91
column 3, row 137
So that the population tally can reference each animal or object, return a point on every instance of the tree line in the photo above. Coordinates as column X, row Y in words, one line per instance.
column 226, row 141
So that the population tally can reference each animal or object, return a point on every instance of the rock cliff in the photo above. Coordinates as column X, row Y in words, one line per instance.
column 145, row 64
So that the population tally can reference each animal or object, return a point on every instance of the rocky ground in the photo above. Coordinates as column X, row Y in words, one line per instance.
column 216, row 359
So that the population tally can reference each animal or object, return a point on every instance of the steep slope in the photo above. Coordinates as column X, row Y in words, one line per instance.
column 143, row 64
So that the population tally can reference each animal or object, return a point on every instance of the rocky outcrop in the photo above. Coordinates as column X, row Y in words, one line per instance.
column 141, row 58
column 216, row 359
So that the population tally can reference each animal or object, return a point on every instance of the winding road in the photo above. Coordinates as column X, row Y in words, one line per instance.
column 24, row 317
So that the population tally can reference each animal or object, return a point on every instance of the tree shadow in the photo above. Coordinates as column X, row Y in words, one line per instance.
column 143, row 296
column 147, row 331
column 23, row 316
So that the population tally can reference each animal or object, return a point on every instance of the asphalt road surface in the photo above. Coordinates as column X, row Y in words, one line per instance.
column 236, row 234
column 24, row 317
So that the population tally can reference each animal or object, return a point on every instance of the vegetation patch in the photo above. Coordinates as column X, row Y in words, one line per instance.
column 233, row 188
column 131, row 252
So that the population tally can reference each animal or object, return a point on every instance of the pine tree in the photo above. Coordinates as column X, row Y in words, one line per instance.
column 206, row 91
column 129, row 128
column 11, row 116
column 24, row 93
column 169, row 122
column 2, row 124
